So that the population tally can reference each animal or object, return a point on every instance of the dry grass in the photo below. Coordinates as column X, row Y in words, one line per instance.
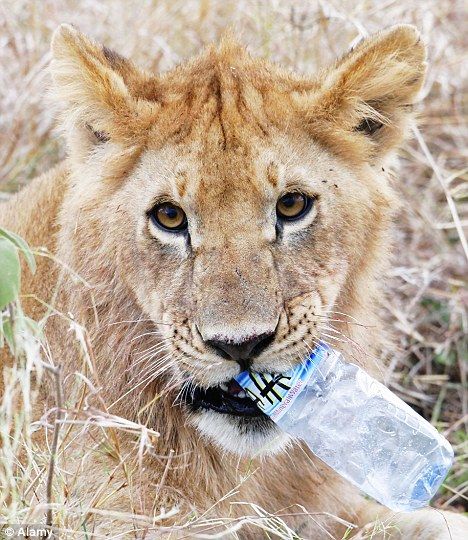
column 427, row 306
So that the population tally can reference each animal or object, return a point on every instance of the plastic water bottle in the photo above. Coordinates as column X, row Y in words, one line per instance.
column 357, row 426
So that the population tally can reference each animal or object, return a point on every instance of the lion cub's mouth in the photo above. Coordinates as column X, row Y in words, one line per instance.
column 226, row 398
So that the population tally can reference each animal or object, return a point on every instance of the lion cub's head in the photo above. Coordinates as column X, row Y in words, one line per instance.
column 240, row 206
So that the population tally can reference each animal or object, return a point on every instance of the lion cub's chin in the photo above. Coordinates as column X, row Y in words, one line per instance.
column 240, row 435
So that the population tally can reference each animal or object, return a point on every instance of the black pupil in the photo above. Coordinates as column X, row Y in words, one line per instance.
column 171, row 212
column 289, row 200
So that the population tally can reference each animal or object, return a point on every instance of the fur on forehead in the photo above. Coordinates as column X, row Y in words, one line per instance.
column 226, row 86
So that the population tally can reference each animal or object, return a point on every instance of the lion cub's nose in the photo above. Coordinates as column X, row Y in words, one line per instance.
column 242, row 351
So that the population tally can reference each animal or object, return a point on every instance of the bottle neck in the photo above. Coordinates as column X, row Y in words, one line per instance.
column 274, row 394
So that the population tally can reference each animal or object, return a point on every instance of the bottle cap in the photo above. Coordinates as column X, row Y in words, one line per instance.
column 275, row 393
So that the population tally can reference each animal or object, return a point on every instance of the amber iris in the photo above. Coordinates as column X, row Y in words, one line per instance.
column 170, row 217
column 293, row 206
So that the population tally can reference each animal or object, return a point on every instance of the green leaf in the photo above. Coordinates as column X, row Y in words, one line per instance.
column 8, row 335
column 22, row 245
column 10, row 272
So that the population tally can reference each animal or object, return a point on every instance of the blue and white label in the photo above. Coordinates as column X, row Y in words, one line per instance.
column 275, row 393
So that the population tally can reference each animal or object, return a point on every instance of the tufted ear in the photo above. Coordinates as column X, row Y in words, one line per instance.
column 368, row 94
column 101, row 89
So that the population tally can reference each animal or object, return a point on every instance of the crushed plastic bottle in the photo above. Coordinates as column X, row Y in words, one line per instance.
column 357, row 426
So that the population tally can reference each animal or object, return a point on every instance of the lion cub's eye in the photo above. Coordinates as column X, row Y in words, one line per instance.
column 169, row 217
column 293, row 206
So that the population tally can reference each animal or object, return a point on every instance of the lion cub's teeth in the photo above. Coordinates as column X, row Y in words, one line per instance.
column 224, row 386
column 242, row 394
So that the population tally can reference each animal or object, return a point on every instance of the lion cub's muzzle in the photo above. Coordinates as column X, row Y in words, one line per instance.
column 236, row 316
column 229, row 397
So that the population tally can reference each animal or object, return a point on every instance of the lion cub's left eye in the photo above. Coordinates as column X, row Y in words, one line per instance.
column 293, row 206
column 169, row 217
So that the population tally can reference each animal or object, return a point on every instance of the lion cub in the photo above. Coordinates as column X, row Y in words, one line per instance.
column 221, row 216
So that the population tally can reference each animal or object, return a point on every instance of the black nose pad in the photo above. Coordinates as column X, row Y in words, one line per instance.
column 243, row 351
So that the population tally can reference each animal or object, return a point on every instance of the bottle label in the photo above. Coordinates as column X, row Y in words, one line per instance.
column 275, row 393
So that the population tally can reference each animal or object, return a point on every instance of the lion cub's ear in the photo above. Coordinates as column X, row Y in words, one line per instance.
column 99, row 88
column 369, row 93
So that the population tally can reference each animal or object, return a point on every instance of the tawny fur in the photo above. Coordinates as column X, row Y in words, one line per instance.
column 223, row 136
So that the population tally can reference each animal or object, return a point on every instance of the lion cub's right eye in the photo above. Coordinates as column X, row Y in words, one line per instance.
column 293, row 206
column 169, row 217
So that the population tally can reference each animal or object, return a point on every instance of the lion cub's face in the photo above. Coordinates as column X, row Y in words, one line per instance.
column 240, row 254
column 242, row 205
